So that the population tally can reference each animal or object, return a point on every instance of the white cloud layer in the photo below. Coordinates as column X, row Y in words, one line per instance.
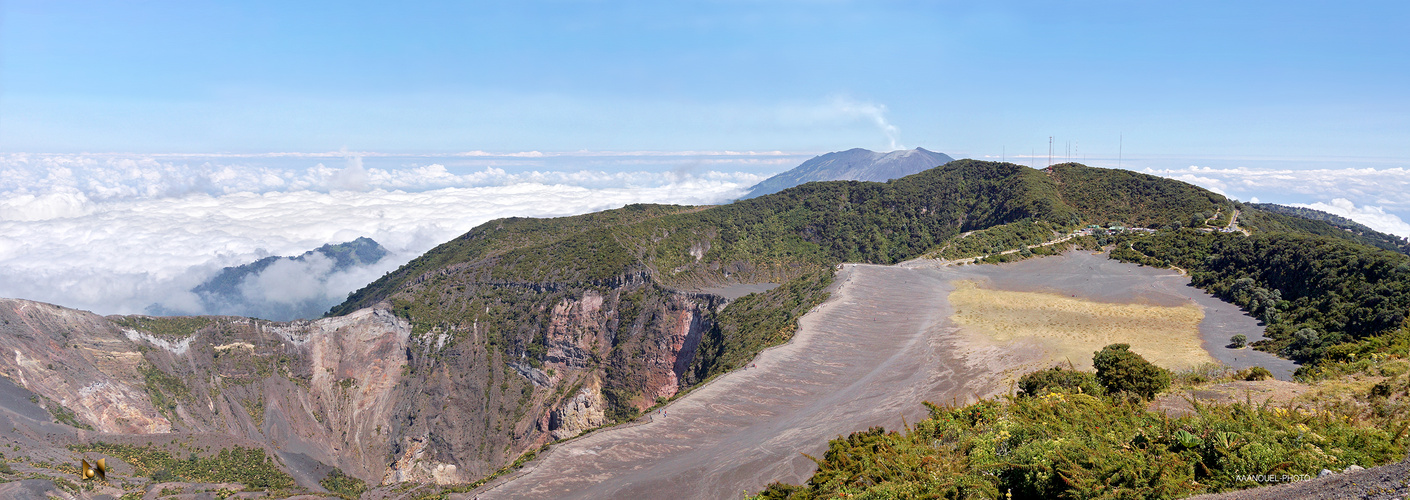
column 1373, row 217
column 1374, row 197
column 118, row 235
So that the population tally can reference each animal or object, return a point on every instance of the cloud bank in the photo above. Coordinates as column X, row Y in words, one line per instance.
column 117, row 235
column 1371, row 196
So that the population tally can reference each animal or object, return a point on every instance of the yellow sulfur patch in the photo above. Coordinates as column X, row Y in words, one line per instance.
column 1075, row 328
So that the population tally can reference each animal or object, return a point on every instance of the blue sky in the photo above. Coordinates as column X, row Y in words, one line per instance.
column 145, row 145
column 1299, row 83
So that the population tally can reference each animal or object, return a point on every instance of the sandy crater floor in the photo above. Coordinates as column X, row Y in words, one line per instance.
column 886, row 341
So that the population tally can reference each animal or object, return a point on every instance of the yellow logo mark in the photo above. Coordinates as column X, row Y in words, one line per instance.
column 98, row 470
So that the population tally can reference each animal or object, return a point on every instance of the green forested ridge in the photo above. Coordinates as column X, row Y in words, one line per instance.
column 493, row 238
column 808, row 227
column 1270, row 217
column 1107, row 196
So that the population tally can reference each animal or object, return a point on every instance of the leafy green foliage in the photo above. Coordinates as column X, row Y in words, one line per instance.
column 175, row 327
column 248, row 466
column 999, row 238
column 343, row 485
column 1238, row 341
column 165, row 390
column 1058, row 379
column 1120, row 370
column 1105, row 196
column 756, row 321
column 619, row 404
column 1253, row 373
column 1079, row 446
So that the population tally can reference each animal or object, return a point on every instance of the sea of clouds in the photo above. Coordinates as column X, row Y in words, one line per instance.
column 135, row 233
column 123, row 233
column 1376, row 197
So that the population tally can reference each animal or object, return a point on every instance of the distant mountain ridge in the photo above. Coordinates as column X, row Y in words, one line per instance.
column 284, row 288
column 360, row 251
column 855, row 164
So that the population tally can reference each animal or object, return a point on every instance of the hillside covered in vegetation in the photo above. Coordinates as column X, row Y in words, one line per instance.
column 1307, row 220
column 551, row 311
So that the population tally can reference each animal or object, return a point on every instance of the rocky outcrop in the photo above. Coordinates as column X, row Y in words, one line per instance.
column 576, row 330
column 79, row 360
column 380, row 397
column 585, row 410
column 323, row 388
column 686, row 323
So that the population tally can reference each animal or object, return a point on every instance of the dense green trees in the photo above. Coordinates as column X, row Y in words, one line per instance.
column 1120, row 370
column 1061, row 443
column 1311, row 291
column 1043, row 382
column 1269, row 217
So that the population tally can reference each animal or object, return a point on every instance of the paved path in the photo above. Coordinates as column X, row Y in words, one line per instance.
column 868, row 356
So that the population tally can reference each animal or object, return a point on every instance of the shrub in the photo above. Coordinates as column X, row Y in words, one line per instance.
column 1306, row 346
column 343, row 485
column 1045, row 381
column 1202, row 373
column 1255, row 373
column 1120, row 370
column 1238, row 341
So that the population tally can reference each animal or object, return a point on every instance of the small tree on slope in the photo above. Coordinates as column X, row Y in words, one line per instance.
column 1120, row 370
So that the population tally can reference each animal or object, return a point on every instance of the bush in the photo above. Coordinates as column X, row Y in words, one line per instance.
column 1120, row 370
column 1254, row 374
column 1057, row 379
column 1078, row 446
column 343, row 485
column 1238, row 341
column 1305, row 347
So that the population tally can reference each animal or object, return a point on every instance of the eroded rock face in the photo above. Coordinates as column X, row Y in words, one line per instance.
column 323, row 388
column 685, row 324
column 369, row 392
column 576, row 330
column 585, row 410
column 80, row 361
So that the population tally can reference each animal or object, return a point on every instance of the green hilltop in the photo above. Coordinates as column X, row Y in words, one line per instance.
column 493, row 295
column 791, row 233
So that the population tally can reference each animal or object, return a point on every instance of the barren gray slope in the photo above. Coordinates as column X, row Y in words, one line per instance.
column 855, row 164
column 868, row 356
